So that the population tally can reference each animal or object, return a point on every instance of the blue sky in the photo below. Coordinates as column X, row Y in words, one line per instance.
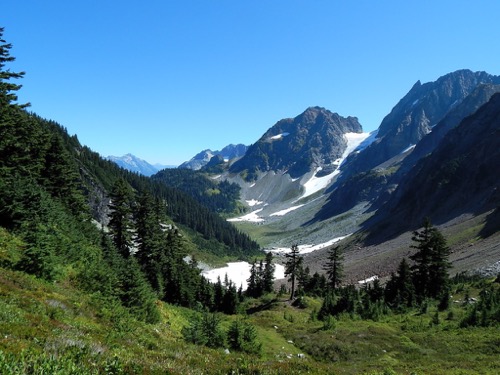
column 166, row 79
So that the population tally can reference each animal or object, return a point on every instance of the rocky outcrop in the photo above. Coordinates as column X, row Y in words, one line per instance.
column 415, row 115
column 298, row 145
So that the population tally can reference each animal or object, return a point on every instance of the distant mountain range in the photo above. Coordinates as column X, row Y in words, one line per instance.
column 134, row 164
column 201, row 159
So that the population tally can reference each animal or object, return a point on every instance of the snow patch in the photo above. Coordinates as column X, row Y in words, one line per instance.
column 355, row 142
column 410, row 147
column 287, row 210
column 315, row 184
column 238, row 273
column 253, row 202
column 305, row 249
column 368, row 280
column 278, row 136
column 251, row 217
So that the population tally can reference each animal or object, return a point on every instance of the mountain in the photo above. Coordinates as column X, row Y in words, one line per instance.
column 134, row 164
column 313, row 140
column 376, row 185
column 459, row 176
column 415, row 115
column 201, row 159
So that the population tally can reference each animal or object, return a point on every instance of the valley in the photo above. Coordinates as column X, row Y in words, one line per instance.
column 320, row 248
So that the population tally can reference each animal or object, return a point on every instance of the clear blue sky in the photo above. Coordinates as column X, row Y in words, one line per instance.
column 167, row 79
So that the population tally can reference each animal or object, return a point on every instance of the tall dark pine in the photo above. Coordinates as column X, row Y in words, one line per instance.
column 268, row 274
column 293, row 267
column 430, row 271
column 120, row 223
column 334, row 267
column 150, row 240
column 7, row 89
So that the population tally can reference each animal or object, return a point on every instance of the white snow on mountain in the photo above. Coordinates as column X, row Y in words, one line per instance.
column 287, row 210
column 304, row 249
column 354, row 143
column 253, row 202
column 251, row 217
column 238, row 273
column 279, row 136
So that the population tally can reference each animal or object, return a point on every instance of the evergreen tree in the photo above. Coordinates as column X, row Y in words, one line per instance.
column 293, row 267
column 136, row 293
column 253, row 281
column 150, row 240
column 268, row 274
column 399, row 291
column 61, row 178
column 7, row 89
column 120, row 223
column 430, row 271
column 334, row 267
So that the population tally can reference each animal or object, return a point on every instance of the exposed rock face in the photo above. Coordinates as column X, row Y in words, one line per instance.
column 416, row 113
column 480, row 96
column 458, row 177
column 422, row 118
column 297, row 145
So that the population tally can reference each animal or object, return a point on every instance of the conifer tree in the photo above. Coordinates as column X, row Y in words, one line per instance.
column 292, row 267
column 120, row 223
column 334, row 267
column 268, row 274
column 430, row 271
column 399, row 290
column 7, row 89
column 253, row 281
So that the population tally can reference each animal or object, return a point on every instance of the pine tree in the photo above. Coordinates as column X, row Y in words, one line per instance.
column 150, row 241
column 7, row 89
column 268, row 274
column 253, row 281
column 399, row 291
column 292, row 267
column 120, row 223
column 334, row 267
column 430, row 271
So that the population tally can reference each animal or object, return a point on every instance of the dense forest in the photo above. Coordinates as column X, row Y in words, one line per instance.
column 221, row 197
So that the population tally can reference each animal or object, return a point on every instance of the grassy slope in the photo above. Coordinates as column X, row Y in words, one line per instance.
column 56, row 325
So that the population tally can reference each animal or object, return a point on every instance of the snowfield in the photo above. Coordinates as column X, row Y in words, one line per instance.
column 355, row 142
column 285, row 211
column 251, row 217
column 253, row 202
column 304, row 249
column 238, row 273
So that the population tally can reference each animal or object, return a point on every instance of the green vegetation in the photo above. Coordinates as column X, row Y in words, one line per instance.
column 221, row 197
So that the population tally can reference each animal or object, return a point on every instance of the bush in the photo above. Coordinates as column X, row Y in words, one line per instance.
column 204, row 330
column 242, row 336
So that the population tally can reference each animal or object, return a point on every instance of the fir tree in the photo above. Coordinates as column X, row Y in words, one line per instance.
column 7, row 89
column 292, row 267
column 120, row 223
column 334, row 267
column 430, row 271
column 268, row 274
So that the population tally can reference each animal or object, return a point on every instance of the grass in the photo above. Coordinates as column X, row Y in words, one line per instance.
column 54, row 328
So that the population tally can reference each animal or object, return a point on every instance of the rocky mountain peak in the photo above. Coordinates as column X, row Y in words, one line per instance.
column 416, row 114
column 315, row 138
